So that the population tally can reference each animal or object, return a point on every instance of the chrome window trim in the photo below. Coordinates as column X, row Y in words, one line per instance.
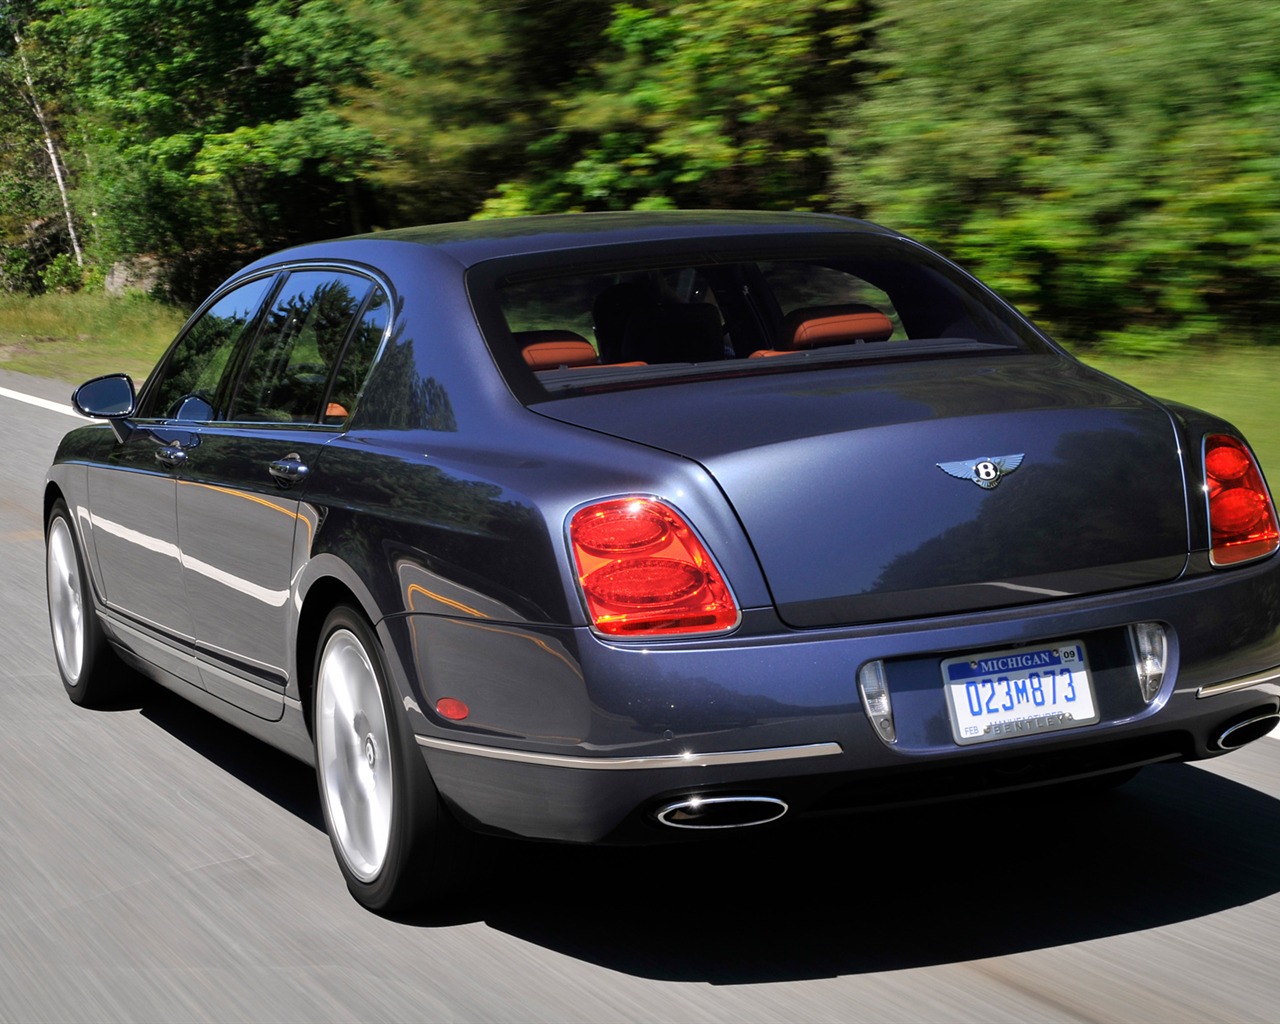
column 685, row 760
column 280, row 271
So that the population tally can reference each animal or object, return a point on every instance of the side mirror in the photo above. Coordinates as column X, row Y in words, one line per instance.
column 108, row 398
column 191, row 407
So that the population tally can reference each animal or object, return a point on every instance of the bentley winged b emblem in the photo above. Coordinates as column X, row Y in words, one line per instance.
column 986, row 473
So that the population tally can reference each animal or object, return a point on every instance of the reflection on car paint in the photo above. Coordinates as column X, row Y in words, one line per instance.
column 136, row 537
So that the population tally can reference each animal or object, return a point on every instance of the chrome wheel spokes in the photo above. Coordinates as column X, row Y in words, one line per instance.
column 354, row 753
column 66, row 600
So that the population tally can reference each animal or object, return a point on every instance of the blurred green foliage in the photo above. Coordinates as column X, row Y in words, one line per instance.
column 720, row 103
column 204, row 125
column 1110, row 167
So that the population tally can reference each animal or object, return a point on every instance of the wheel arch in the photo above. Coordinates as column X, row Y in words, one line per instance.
column 327, row 583
column 52, row 493
column 323, row 596
column 69, row 483
column 78, row 519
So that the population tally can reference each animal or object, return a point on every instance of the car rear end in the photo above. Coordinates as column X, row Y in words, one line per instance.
column 930, row 557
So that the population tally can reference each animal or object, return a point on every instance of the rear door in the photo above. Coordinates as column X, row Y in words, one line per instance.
column 241, row 526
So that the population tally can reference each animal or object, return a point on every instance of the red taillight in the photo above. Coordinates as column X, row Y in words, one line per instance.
column 643, row 571
column 1242, row 518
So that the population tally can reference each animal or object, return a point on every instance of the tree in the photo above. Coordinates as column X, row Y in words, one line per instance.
column 207, row 124
column 716, row 103
column 149, row 78
column 308, row 53
column 29, row 113
column 1111, row 167
column 458, row 89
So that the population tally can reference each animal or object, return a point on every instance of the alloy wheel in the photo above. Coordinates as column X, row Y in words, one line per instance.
column 353, row 747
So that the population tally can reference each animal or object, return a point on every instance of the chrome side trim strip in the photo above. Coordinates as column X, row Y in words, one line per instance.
column 1271, row 675
column 685, row 760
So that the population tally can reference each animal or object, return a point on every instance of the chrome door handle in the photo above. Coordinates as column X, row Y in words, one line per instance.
column 289, row 470
column 171, row 456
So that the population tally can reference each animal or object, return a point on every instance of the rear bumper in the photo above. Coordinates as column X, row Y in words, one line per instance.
column 776, row 713
column 620, row 805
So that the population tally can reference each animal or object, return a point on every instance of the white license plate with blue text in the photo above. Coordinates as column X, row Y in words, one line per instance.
column 1024, row 692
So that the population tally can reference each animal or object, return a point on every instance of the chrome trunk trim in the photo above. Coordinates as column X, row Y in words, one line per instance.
column 1271, row 675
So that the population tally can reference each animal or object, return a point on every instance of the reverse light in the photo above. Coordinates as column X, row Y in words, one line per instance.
column 644, row 572
column 1150, row 654
column 1242, row 516
column 876, row 702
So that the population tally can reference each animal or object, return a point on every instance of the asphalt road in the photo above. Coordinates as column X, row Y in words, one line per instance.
column 156, row 865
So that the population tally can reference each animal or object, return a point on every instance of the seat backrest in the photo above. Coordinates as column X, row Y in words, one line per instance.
column 676, row 333
column 818, row 326
column 552, row 349
column 611, row 311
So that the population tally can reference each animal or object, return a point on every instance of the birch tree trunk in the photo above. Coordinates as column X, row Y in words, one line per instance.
column 50, row 146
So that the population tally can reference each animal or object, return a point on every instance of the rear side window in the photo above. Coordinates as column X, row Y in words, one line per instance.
column 303, row 337
column 362, row 348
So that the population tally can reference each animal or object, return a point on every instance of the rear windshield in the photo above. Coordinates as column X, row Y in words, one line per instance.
column 626, row 323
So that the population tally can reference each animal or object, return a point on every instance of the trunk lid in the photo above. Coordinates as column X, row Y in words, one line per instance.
column 862, row 488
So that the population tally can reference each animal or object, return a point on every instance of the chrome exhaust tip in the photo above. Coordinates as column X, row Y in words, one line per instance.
column 1253, row 728
column 722, row 811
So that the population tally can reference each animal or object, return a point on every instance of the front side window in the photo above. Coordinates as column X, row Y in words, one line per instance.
column 188, row 384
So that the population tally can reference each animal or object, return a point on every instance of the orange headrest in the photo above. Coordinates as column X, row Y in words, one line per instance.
column 548, row 350
column 816, row 326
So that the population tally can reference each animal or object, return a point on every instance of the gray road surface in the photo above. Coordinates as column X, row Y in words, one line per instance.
column 155, row 865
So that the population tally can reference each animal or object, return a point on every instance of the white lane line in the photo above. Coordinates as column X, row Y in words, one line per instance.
column 43, row 403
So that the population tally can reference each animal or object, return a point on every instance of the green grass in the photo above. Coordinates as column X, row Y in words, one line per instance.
column 73, row 337
column 1240, row 384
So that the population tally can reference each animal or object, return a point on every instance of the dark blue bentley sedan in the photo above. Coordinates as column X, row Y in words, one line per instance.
column 611, row 528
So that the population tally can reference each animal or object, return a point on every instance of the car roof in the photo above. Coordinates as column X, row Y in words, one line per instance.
column 472, row 242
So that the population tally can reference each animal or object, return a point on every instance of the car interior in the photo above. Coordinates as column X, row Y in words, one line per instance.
column 704, row 315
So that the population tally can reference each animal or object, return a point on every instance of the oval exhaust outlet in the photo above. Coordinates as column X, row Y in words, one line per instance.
column 722, row 811
column 1238, row 734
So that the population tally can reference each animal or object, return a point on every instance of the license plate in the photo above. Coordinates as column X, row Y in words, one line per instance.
column 1023, row 692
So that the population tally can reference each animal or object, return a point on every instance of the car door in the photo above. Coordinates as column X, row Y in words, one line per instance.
column 132, row 484
column 241, row 527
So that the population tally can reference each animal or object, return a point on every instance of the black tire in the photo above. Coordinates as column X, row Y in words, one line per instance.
column 90, row 671
column 398, row 847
